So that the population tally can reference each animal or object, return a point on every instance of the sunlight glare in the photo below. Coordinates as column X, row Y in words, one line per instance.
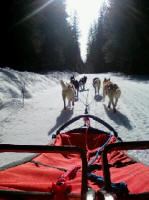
column 88, row 12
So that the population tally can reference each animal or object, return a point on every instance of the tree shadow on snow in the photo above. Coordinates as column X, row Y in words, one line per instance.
column 118, row 118
column 138, row 78
column 64, row 117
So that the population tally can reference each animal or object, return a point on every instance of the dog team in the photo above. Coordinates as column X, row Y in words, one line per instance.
column 71, row 90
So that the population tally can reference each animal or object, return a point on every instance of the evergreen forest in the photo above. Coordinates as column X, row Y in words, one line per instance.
column 36, row 36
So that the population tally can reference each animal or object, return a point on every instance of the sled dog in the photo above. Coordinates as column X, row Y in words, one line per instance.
column 113, row 91
column 96, row 85
column 76, row 85
column 82, row 82
column 68, row 92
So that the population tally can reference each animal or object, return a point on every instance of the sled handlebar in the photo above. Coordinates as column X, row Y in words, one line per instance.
column 92, row 117
column 133, row 145
column 44, row 149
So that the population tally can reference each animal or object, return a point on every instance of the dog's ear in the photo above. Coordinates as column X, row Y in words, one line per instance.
column 109, row 79
column 105, row 79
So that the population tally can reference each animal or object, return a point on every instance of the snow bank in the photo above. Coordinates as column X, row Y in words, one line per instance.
column 14, row 85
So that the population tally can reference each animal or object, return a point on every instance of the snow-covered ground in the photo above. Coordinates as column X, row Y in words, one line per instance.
column 31, row 108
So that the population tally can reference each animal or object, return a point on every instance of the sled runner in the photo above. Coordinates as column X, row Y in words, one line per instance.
column 83, row 163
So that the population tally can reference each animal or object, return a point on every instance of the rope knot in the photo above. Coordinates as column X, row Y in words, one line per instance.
column 60, row 190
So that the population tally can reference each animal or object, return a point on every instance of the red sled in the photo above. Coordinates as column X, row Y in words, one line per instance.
column 84, row 163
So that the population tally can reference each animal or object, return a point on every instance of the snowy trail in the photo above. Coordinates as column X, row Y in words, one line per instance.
column 137, row 105
column 43, row 113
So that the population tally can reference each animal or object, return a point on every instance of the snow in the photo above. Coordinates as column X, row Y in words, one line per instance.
column 31, row 108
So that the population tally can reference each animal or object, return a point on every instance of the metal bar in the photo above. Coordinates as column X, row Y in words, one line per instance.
column 134, row 145
column 48, row 149
column 47, row 195
column 89, row 116
column 11, row 193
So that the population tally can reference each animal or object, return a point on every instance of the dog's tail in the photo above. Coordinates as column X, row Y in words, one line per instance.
column 118, row 92
column 64, row 86
column 97, row 82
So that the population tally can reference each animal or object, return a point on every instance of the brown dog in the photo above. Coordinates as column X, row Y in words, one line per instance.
column 68, row 92
column 112, row 91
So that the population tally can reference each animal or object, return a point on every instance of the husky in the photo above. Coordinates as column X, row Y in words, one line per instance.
column 112, row 91
column 76, row 85
column 82, row 82
column 96, row 85
column 68, row 92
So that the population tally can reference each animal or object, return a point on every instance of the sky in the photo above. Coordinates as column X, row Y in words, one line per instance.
column 33, row 119
column 88, row 11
